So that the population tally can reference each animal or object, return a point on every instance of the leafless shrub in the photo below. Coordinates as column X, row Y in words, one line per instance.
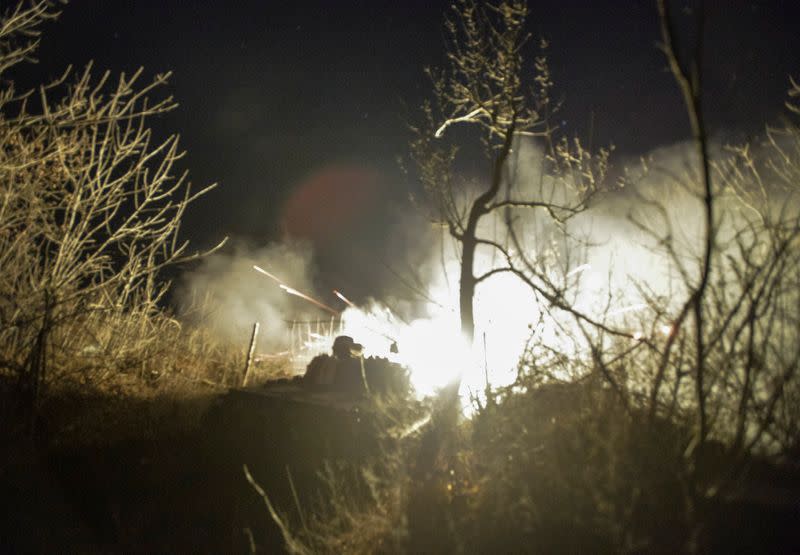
column 90, row 209
column 361, row 507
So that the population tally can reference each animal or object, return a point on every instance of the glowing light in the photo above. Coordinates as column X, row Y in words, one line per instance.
column 344, row 299
column 508, row 321
column 631, row 308
column 293, row 291
column 415, row 427
column 261, row 270
column 296, row 293
column 579, row 269
column 433, row 348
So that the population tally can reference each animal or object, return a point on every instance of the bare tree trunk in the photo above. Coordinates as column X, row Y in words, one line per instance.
column 689, row 79
column 469, row 239
column 466, row 290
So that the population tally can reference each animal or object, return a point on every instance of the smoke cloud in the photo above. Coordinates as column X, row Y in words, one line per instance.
column 226, row 295
column 612, row 255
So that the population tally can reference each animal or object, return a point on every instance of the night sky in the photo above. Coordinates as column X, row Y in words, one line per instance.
column 283, row 102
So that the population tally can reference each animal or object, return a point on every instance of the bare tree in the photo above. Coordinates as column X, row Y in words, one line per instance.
column 486, row 86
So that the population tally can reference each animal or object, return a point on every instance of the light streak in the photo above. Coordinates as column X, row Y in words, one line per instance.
column 343, row 298
column 295, row 292
column 279, row 354
column 579, row 269
column 416, row 426
column 631, row 308
column 266, row 273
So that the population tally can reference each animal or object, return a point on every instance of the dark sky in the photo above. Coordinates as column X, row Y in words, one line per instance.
column 277, row 96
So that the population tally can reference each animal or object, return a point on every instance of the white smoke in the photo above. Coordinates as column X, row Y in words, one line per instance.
column 612, row 255
column 227, row 296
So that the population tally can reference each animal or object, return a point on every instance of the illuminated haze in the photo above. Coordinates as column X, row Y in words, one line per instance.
column 606, row 263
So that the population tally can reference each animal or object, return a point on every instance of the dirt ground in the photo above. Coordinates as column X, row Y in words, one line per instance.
column 166, row 476
column 170, row 490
